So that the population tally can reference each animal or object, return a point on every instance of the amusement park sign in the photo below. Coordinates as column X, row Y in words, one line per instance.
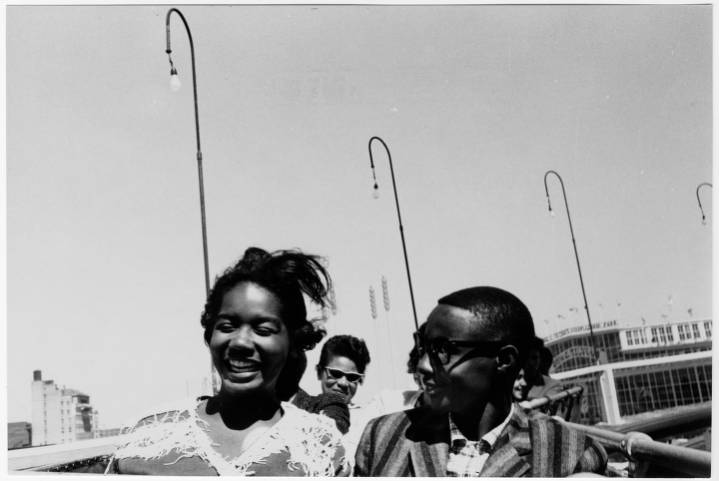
column 579, row 329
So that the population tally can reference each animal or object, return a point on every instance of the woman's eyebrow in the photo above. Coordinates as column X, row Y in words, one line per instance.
column 261, row 319
column 254, row 320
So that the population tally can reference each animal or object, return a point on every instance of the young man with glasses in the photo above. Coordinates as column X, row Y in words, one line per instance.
column 472, row 348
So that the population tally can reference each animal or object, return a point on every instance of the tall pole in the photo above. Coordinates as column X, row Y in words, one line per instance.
column 399, row 217
column 174, row 80
column 576, row 256
column 173, row 72
column 699, row 201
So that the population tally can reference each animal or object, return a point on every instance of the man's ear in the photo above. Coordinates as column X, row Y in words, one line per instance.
column 507, row 358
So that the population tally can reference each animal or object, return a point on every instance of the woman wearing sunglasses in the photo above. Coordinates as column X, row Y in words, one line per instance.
column 343, row 361
column 341, row 370
column 255, row 325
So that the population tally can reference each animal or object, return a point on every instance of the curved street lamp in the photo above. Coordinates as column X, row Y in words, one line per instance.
column 576, row 255
column 399, row 216
column 699, row 201
column 175, row 85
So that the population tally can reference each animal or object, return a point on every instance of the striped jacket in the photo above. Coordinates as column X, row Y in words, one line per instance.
column 416, row 443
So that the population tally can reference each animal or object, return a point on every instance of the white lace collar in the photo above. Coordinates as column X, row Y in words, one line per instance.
column 310, row 439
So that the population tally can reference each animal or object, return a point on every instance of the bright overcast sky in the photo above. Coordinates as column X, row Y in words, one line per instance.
column 105, row 282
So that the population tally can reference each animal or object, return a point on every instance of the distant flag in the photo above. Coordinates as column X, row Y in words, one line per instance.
column 664, row 316
column 572, row 309
column 644, row 321
column 690, row 311
column 560, row 316
column 372, row 303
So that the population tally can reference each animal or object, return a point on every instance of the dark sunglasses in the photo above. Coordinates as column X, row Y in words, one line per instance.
column 442, row 348
column 338, row 374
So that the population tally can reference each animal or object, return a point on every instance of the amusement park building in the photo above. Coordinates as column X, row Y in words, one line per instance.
column 641, row 369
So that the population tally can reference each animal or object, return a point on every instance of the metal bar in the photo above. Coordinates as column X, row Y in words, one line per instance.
column 543, row 401
column 675, row 419
column 686, row 460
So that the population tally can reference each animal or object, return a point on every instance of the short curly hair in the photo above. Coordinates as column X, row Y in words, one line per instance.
column 347, row 346
column 505, row 318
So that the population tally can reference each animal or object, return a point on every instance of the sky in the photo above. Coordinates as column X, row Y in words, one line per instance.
column 105, row 281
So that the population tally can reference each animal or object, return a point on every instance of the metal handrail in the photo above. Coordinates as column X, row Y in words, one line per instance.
column 540, row 402
column 54, row 457
column 561, row 404
column 640, row 446
column 633, row 439
column 683, row 419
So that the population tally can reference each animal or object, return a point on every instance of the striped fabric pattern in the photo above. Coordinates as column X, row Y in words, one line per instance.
column 416, row 443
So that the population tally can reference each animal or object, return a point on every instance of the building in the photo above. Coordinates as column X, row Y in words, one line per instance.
column 60, row 415
column 641, row 369
column 572, row 348
column 19, row 435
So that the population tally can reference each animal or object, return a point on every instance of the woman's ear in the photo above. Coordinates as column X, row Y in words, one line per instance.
column 507, row 358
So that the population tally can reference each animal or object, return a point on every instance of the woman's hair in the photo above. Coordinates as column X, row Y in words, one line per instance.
column 288, row 274
column 347, row 346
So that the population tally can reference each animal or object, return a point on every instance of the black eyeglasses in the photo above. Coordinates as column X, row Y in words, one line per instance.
column 338, row 374
column 442, row 348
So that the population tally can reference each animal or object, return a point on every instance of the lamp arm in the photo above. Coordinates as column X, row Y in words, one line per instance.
column 197, row 133
column 576, row 256
column 699, row 201
column 399, row 218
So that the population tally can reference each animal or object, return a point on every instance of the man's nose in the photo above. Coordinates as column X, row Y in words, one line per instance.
column 342, row 381
column 424, row 367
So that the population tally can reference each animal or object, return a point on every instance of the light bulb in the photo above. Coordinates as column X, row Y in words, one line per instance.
column 375, row 192
column 704, row 220
column 551, row 212
column 175, row 83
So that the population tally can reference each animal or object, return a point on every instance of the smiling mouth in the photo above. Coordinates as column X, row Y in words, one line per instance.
column 239, row 366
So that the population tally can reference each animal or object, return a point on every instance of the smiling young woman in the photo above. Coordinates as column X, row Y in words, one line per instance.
column 255, row 325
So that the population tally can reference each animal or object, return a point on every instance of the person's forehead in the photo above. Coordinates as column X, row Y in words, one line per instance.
column 455, row 322
column 343, row 363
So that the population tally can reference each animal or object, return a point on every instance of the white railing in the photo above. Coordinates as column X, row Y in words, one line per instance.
column 44, row 458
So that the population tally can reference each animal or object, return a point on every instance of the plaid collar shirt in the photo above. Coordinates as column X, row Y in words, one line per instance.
column 467, row 458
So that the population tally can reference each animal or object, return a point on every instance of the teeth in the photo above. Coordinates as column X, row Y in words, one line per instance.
column 242, row 364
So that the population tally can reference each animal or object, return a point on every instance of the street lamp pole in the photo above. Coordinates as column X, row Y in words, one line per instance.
column 699, row 201
column 399, row 216
column 175, row 84
column 576, row 255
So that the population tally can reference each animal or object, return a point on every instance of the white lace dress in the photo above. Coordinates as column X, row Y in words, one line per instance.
column 176, row 443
